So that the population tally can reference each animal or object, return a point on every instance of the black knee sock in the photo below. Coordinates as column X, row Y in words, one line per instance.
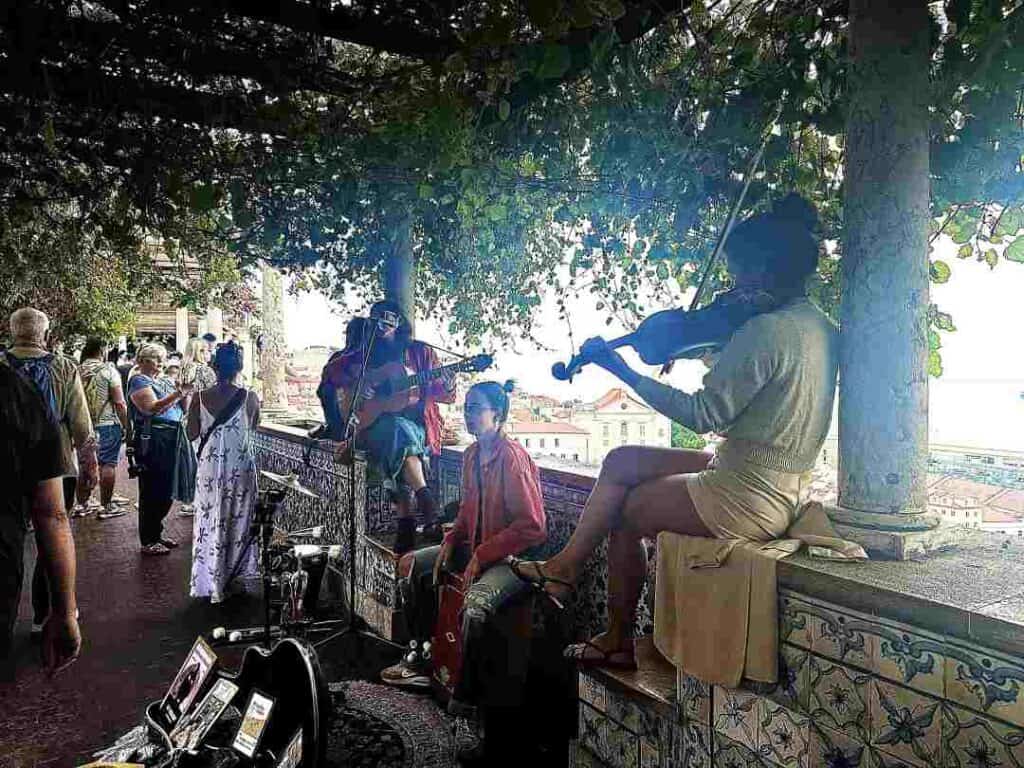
column 425, row 505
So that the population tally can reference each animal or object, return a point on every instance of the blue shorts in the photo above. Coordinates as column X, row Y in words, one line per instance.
column 109, row 452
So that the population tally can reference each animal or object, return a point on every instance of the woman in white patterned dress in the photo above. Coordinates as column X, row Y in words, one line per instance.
column 223, row 419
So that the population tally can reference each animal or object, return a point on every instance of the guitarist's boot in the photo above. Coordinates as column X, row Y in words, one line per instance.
column 427, row 507
column 405, row 536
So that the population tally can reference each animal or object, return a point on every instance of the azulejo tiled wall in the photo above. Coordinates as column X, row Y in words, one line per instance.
column 855, row 691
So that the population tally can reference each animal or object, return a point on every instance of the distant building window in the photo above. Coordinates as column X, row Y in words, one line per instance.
column 542, row 442
column 575, row 457
column 643, row 430
column 661, row 432
column 605, row 431
column 624, row 429
column 605, row 443
column 556, row 442
column 526, row 442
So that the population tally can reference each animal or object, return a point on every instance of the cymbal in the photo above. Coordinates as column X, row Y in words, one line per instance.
column 291, row 482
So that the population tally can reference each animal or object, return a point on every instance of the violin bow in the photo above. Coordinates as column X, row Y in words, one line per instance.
column 737, row 204
column 733, row 213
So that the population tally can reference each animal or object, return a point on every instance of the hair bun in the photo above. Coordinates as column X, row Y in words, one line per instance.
column 794, row 208
column 509, row 386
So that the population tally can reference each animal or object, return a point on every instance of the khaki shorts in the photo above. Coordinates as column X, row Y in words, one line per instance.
column 747, row 501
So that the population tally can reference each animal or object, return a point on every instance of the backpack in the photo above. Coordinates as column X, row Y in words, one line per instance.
column 96, row 402
column 38, row 371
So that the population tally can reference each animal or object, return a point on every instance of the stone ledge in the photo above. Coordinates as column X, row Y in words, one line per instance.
column 654, row 681
column 974, row 593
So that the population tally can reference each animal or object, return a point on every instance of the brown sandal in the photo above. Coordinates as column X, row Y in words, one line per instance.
column 620, row 659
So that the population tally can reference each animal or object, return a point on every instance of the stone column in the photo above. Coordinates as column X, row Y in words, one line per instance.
column 180, row 329
column 274, row 352
column 883, row 406
column 215, row 322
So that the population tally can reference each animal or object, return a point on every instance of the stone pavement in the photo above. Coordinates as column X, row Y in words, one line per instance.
column 137, row 625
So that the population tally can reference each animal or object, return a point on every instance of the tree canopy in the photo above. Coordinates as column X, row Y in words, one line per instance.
column 531, row 147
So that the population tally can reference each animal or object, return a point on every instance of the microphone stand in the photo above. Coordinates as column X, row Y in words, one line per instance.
column 356, row 625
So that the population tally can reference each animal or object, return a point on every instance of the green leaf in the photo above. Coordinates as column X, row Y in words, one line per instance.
column 991, row 258
column 554, row 63
column 496, row 212
column 963, row 225
column 965, row 251
column 944, row 321
column 934, row 364
column 662, row 271
column 1015, row 251
column 504, row 110
column 201, row 197
column 939, row 272
column 934, row 340
column 425, row 191
column 1011, row 222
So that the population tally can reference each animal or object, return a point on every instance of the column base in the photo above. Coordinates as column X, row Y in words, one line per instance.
column 896, row 536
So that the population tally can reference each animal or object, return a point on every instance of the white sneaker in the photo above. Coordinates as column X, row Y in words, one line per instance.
column 116, row 499
column 82, row 510
column 111, row 510
column 187, row 510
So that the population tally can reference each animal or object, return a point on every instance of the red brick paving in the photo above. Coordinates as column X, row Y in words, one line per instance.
column 137, row 625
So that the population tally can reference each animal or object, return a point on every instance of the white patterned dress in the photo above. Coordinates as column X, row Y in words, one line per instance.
column 224, row 506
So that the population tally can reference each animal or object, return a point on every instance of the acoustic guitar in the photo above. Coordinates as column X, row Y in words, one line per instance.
column 396, row 387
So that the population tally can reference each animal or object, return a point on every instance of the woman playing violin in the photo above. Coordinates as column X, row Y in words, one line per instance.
column 770, row 395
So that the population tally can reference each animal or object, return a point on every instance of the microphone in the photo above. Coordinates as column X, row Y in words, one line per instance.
column 386, row 320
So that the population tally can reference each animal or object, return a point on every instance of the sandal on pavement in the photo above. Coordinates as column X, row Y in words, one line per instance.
column 587, row 654
column 168, row 542
column 155, row 549
column 540, row 580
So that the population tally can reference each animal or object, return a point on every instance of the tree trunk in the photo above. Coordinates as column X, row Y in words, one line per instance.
column 883, row 407
column 399, row 277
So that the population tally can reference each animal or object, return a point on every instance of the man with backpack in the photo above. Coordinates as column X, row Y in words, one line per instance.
column 109, row 412
column 56, row 378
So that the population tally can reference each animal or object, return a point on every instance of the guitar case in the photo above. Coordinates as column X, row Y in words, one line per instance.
column 446, row 644
column 290, row 674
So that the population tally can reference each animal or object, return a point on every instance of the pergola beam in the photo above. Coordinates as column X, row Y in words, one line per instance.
column 38, row 35
column 338, row 23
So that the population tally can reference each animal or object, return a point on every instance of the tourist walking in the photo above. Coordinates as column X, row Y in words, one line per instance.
column 195, row 370
column 223, row 419
column 56, row 379
column 109, row 412
column 162, row 450
column 31, row 468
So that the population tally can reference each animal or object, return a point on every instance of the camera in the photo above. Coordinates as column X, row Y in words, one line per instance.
column 134, row 469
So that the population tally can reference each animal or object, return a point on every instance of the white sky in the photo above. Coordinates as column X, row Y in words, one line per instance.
column 976, row 402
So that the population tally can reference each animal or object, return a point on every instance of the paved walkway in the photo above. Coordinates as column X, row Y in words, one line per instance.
column 137, row 625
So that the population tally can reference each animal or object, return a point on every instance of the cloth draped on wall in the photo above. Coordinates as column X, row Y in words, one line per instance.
column 716, row 600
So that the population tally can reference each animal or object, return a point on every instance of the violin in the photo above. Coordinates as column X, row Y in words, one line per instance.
column 678, row 334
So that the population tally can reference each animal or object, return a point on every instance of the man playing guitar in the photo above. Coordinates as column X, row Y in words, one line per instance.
column 397, row 442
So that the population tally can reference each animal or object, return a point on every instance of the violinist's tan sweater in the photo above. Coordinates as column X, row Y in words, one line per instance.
column 770, row 392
